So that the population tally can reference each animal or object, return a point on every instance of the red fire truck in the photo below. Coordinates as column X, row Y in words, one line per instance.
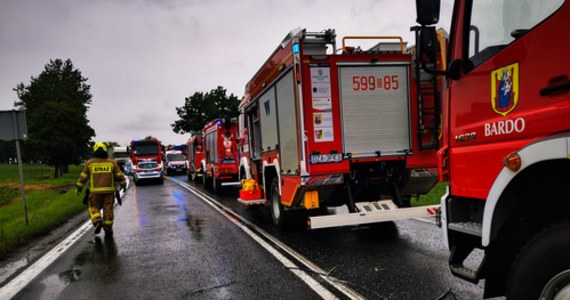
column 506, row 144
column 195, row 157
column 221, row 158
column 328, row 128
column 145, row 150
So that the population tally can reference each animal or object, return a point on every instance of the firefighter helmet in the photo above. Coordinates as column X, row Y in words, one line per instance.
column 99, row 146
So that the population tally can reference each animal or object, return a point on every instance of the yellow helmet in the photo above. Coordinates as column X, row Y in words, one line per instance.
column 99, row 146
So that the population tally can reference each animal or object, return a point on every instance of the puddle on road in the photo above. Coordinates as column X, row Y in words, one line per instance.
column 55, row 283
column 195, row 223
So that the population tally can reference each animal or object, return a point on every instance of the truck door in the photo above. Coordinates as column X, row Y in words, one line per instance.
column 503, row 72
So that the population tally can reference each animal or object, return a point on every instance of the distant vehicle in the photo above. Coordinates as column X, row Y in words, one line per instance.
column 221, row 161
column 174, row 162
column 120, row 155
column 145, row 150
column 128, row 167
column 195, row 157
column 147, row 171
column 178, row 147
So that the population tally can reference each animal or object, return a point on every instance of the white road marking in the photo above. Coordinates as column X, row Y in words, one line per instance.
column 226, row 212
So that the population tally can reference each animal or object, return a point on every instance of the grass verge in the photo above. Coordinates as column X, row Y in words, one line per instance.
column 50, row 202
column 431, row 198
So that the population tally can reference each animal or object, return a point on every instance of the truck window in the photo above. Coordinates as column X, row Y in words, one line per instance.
column 268, row 120
column 146, row 149
column 254, row 132
column 212, row 149
column 497, row 23
column 175, row 157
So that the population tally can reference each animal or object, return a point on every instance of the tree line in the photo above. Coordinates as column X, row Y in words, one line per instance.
column 56, row 104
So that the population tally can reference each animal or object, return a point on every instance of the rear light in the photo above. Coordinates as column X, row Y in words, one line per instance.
column 512, row 161
column 138, row 170
column 158, row 169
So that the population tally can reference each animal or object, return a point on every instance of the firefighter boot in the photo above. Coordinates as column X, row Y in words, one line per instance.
column 108, row 229
column 98, row 227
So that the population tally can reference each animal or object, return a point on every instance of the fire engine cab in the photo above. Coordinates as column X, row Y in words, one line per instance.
column 327, row 127
column 142, row 150
column 506, row 143
column 220, row 158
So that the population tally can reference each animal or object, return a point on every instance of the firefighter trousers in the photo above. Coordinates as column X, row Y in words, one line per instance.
column 105, row 202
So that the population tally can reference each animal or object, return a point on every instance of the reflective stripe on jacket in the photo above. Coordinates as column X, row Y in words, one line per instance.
column 102, row 174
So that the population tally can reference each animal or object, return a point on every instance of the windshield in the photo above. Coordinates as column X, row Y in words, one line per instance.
column 175, row 157
column 145, row 149
column 148, row 165
column 495, row 24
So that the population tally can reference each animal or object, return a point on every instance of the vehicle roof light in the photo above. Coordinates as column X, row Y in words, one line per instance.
column 295, row 48
column 512, row 161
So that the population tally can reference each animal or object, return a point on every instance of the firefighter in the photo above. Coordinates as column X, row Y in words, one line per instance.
column 102, row 173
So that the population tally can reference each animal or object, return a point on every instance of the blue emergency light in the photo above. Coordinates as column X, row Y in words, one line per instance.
column 295, row 48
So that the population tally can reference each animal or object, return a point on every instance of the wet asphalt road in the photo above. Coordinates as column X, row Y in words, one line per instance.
column 170, row 244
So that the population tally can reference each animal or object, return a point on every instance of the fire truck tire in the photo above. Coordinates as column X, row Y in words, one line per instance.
column 216, row 184
column 192, row 174
column 277, row 211
column 542, row 268
column 205, row 179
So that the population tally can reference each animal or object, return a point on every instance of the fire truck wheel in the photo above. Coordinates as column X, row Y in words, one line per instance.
column 542, row 269
column 277, row 211
column 205, row 179
column 192, row 174
column 216, row 184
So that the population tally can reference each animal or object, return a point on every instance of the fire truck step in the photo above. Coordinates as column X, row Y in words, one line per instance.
column 465, row 273
column 234, row 183
column 471, row 227
column 372, row 212
column 252, row 201
column 376, row 206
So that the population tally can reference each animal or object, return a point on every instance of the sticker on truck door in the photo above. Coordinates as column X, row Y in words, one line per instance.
column 505, row 89
column 323, row 126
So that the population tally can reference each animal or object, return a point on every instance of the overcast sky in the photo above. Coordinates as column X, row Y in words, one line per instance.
column 143, row 57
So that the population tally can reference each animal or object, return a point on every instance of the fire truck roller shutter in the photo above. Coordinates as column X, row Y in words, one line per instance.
column 288, row 138
column 375, row 109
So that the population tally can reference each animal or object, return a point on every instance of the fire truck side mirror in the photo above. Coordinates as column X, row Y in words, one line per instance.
column 427, row 11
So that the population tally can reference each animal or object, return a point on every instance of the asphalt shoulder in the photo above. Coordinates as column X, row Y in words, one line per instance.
column 24, row 256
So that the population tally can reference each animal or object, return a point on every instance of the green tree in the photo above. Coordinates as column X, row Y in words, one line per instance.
column 56, row 104
column 201, row 108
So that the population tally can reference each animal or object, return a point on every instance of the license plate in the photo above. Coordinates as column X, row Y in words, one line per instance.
column 326, row 158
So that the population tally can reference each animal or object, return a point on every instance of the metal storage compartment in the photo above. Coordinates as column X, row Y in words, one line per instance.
column 375, row 109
